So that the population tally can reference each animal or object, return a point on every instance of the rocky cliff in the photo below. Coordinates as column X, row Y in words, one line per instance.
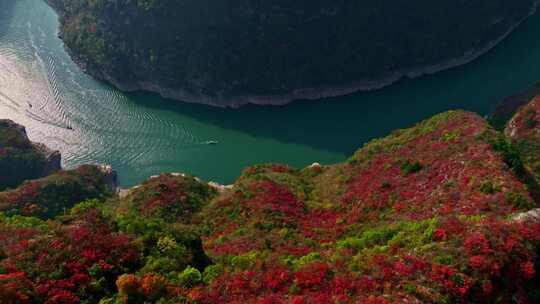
column 21, row 159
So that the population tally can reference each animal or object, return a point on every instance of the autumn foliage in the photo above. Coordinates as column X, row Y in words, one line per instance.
column 425, row 215
column 56, row 193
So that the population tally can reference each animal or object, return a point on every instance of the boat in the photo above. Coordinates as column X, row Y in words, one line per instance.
column 211, row 142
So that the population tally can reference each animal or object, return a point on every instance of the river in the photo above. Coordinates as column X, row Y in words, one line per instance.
column 142, row 134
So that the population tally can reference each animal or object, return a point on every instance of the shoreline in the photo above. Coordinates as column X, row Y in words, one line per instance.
column 309, row 94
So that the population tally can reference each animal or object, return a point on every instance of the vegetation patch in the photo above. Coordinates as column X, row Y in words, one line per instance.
column 420, row 216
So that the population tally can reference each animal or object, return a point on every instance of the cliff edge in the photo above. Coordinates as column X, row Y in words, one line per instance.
column 21, row 159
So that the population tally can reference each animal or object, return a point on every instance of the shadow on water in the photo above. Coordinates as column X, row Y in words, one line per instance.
column 338, row 125
column 6, row 14
column 343, row 124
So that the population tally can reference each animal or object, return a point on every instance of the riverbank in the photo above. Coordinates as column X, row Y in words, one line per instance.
column 199, row 95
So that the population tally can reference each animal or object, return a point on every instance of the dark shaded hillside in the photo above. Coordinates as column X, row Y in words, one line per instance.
column 524, row 131
column 20, row 159
column 235, row 52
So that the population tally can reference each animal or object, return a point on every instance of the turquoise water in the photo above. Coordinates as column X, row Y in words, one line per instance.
column 142, row 134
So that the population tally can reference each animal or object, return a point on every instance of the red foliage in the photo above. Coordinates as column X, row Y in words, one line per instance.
column 443, row 186
column 62, row 296
column 129, row 284
column 311, row 275
column 69, row 252
column 527, row 270
column 477, row 243
column 371, row 231
column 272, row 197
column 277, row 279
column 467, row 255
column 14, row 288
column 154, row 286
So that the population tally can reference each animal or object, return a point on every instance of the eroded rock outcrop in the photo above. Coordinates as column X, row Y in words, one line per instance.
column 21, row 159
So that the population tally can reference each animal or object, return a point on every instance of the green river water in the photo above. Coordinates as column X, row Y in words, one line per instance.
column 143, row 134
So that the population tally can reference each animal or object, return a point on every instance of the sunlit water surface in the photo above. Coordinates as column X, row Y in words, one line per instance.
column 142, row 134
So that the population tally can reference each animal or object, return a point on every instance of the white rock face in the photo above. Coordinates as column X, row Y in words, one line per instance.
column 123, row 193
column 220, row 187
column 511, row 128
column 111, row 177
column 531, row 215
column 315, row 165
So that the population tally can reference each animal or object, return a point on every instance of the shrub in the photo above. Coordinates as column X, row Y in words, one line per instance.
column 519, row 201
column 190, row 277
column 510, row 153
column 130, row 287
column 409, row 167
column 488, row 188
column 211, row 272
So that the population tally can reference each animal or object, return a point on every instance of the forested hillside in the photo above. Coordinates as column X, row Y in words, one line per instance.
column 236, row 52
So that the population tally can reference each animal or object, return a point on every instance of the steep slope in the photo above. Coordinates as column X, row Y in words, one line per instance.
column 417, row 217
column 21, row 159
column 429, row 214
column 524, row 130
column 231, row 53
